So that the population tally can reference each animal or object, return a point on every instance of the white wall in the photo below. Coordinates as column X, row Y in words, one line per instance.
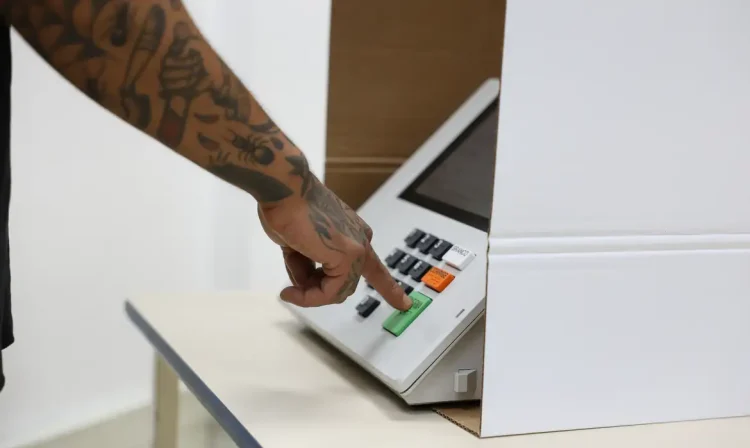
column 101, row 212
column 280, row 49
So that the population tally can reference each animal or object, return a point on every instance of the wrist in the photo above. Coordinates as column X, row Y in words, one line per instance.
column 292, row 201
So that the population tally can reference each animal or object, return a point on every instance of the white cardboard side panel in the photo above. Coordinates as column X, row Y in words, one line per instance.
column 595, row 340
column 624, row 118
column 618, row 289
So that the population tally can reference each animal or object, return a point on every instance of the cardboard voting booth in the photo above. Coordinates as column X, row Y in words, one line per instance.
column 615, row 277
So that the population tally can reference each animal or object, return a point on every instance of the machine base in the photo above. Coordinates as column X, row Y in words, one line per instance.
column 439, row 383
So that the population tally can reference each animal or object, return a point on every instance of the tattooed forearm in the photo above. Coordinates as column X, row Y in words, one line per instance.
column 120, row 29
column 146, row 61
column 232, row 96
column 301, row 169
column 264, row 187
column 183, row 77
column 253, row 149
column 137, row 106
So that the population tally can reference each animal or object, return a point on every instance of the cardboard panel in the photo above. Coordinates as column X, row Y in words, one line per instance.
column 398, row 70
column 355, row 179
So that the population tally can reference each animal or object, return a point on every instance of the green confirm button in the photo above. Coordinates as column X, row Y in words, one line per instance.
column 400, row 320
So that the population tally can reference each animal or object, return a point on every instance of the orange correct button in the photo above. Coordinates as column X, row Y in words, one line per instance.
column 438, row 279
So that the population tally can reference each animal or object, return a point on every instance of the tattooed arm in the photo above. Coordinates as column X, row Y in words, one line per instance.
column 147, row 62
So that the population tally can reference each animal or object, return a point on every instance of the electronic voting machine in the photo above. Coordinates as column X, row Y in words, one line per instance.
column 430, row 221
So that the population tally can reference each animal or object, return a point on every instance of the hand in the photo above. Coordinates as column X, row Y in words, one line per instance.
column 319, row 228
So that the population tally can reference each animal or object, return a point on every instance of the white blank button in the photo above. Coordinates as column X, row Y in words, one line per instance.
column 458, row 257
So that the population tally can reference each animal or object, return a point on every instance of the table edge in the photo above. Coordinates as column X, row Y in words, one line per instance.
column 226, row 419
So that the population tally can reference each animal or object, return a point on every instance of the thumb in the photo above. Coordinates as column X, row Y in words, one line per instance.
column 380, row 279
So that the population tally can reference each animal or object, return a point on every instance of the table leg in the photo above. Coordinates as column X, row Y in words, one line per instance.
column 166, row 402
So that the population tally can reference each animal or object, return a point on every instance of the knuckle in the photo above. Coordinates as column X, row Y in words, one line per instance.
column 358, row 253
column 346, row 293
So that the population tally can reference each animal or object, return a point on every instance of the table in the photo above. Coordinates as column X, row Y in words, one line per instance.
column 269, row 382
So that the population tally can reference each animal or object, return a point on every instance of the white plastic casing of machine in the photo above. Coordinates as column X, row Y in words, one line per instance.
column 438, row 357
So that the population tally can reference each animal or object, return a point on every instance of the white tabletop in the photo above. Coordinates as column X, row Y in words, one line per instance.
column 271, row 383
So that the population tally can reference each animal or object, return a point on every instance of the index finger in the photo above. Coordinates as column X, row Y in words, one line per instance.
column 380, row 279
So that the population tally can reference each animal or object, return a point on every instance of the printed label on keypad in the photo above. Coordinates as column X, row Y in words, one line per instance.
column 437, row 279
column 400, row 320
column 458, row 257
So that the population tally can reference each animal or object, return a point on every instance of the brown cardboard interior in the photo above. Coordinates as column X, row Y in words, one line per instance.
column 467, row 416
column 398, row 69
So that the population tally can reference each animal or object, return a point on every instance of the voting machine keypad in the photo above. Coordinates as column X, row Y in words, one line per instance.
column 419, row 260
